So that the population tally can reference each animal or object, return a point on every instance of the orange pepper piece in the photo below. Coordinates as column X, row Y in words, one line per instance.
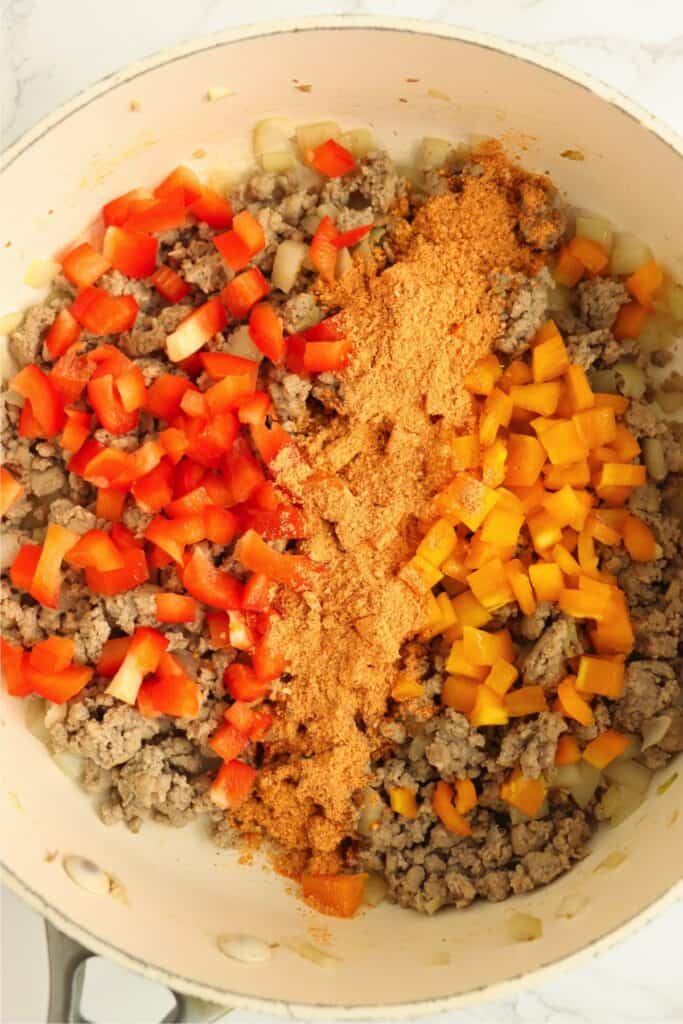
column 465, row 796
column 639, row 540
column 630, row 321
column 338, row 895
column 644, row 282
column 483, row 376
column 577, row 389
column 605, row 747
column 569, row 269
column 490, row 585
column 483, row 648
column 549, row 359
column 568, row 751
column 459, row 693
column 525, row 459
column 500, row 678
column 527, row 795
column 572, row 704
column 520, row 583
column 450, row 818
column 403, row 802
column 488, row 708
column 527, row 700
column 591, row 254
column 547, row 580
column 600, row 675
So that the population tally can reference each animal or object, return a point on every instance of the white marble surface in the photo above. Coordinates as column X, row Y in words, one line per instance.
column 50, row 49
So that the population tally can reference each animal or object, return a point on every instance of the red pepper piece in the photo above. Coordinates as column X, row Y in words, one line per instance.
column 164, row 395
column 174, row 696
column 134, row 573
column 102, row 313
column 14, row 661
column 241, row 636
column 58, row 687
column 243, row 683
column 233, row 250
column 219, row 629
column 267, row 664
column 52, row 655
column 285, row 522
column 46, row 404
column 210, row 585
column 257, row 593
column 152, row 216
column 323, row 250
column 196, row 329
column 194, row 404
column 232, row 785
column 253, row 408
column 79, row 462
column 169, row 284
column 255, row 555
column 175, row 608
column 124, row 538
column 240, row 715
column 212, row 209
column 76, row 430
column 174, row 443
column 135, row 255
column 112, row 655
column 117, row 210
column 325, row 356
column 109, row 407
column 228, row 742
column 28, row 424
column 110, row 503
column 222, row 364
column 349, row 238
column 265, row 330
column 242, row 471
column 109, row 467
column 153, row 491
column 186, row 476
column 23, row 568
column 327, row 330
column 172, row 535
column 48, row 575
column 63, row 333
column 192, row 503
column 331, row 159
column 69, row 376
column 226, row 394
column 95, row 548
column 269, row 440
column 181, row 178
column 84, row 265
column 260, row 726
column 218, row 489
column 220, row 524
column 141, row 659
column 244, row 291
column 294, row 354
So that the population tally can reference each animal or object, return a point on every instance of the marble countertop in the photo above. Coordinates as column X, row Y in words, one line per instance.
column 51, row 49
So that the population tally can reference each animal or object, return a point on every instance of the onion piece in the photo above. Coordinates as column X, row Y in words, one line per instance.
column 632, row 379
column 40, row 273
column 658, row 332
column 628, row 253
column 432, row 153
column 584, row 790
column 524, row 927
column 371, row 810
column 289, row 258
column 675, row 301
column 603, row 380
column 272, row 135
column 240, row 344
column 218, row 92
column 596, row 228
column 653, row 453
column 559, row 298
column 619, row 802
column 279, row 162
column 359, row 141
column 376, row 889
column 225, row 177
column 629, row 774
column 308, row 136
column 670, row 401
column 564, row 776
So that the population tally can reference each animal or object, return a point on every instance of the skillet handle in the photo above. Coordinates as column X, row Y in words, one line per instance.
column 67, row 959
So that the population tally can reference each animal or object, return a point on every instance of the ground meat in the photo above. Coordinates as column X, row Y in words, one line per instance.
column 147, row 297
column 19, row 620
column 207, row 271
column 649, row 688
column 643, row 420
column 600, row 300
column 586, row 348
column 546, row 661
column 50, row 480
column 532, row 744
column 530, row 627
column 150, row 332
column 74, row 517
column 659, row 628
column 541, row 221
column 299, row 312
column 26, row 341
column 133, row 608
column 524, row 307
column 376, row 184
column 101, row 728
column 454, row 748
column 289, row 393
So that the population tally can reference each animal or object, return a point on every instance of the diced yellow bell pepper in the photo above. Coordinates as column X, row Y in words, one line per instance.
column 483, row 648
column 616, row 402
column 480, row 551
column 639, row 540
column 438, row 543
column 565, row 560
column 570, row 539
column 403, row 802
column 454, row 567
column 469, row 611
column 459, row 664
column 596, row 426
column 615, row 634
column 442, row 802
column 538, row 398
column 527, row 795
column 601, row 530
column 501, row 677
column 549, row 359
column 433, row 623
column 502, row 527
column 518, row 579
column 466, row 500
column 617, row 474
column 483, row 376
column 530, row 497
column 581, row 604
column 547, row 580
column 420, row 575
column 496, row 414
column 577, row 389
column 407, row 689
column 567, row 507
column 576, row 474
column 527, row 700
column 525, row 460
column 459, row 693
column 545, row 531
column 587, row 557
column 448, row 616
column 493, row 463
column 563, row 444
column 488, row 709
column 466, row 452
column 490, row 585
column 600, row 675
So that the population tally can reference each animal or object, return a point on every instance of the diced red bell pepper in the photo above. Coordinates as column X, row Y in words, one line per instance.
column 154, row 491
column 325, row 356
column 210, row 585
column 169, row 284
column 209, row 440
column 226, row 393
column 23, row 568
column 244, row 291
column 58, row 687
column 212, row 209
column 232, row 785
column 10, row 490
column 70, row 374
column 47, row 578
column 175, row 608
column 254, row 408
column 255, row 555
column 112, row 655
column 295, row 346
column 222, row 364
column 135, row 255
column 102, row 313
column 108, row 360
column 233, row 250
column 228, row 742
column 110, row 503
column 349, row 238
column 146, row 458
column 218, row 489
column 134, row 573
column 117, row 210
column 285, row 522
column 141, row 659
column 327, row 330
column 187, row 475
column 243, row 683
column 109, row 467
column 257, row 593
column 147, row 217
column 84, row 265
column 219, row 629
column 13, row 661
column 79, row 462
column 181, row 178
column 194, row 404
column 109, row 407
column 323, row 250
column 240, row 715
column 173, row 535
column 63, row 333
column 243, row 472
column 52, row 655
column 45, row 400
column 260, row 726
column 196, row 329
column 177, row 696
column 174, row 443
column 124, row 538
column 76, row 429
column 220, row 524
column 331, row 159
column 164, row 396
column 250, row 231
column 28, row 424
column 267, row 664
column 95, row 548
column 265, row 330
column 269, row 440
column 241, row 636
column 191, row 503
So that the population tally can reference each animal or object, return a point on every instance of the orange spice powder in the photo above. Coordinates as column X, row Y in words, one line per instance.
column 366, row 481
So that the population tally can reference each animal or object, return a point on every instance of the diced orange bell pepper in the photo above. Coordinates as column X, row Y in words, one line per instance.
column 587, row 556
column 596, row 426
column 605, row 747
column 458, row 663
column 600, row 675
column 568, row 750
column 563, row 443
column 629, row 322
column 549, row 359
column 516, row 372
column 337, row 895
column 545, row 531
column 581, row 604
column 600, row 530
column 565, row 560
column 639, row 540
column 572, row 703
column 644, row 282
column 625, row 445
column 616, row 402
column 568, row 269
column 497, row 412
column 577, row 389
column 502, row 527
column 483, row 648
column 530, row 497
column 465, row 452
column 547, row 580
column 403, row 802
column 592, row 254
column 527, row 700
column 10, row 490
column 407, row 689
column 465, row 796
column 538, row 398
column 142, row 658
column 567, row 507
column 420, row 575
column 525, row 459
column 469, row 611
column 501, row 677
column 466, row 500
column 47, row 578
column 450, row 818
column 617, row 474
column 493, row 462
column 481, row 552
column 490, row 585
column 459, row 692
column 527, row 795
column 438, row 543
column 518, row 579
column 488, row 709
column 575, row 474
column 483, row 376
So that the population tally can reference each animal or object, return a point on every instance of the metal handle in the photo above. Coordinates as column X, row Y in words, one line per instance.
column 67, row 959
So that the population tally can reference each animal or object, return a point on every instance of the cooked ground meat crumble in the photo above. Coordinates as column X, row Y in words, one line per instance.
column 162, row 767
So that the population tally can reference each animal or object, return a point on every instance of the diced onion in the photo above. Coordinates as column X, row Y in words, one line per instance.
column 289, row 258
column 9, row 322
column 628, row 253
column 359, row 141
column 596, row 228
column 375, row 891
column 279, row 162
column 667, row 784
column 310, row 223
column 308, row 136
column 653, row 452
column 584, row 790
column 657, row 333
column 225, row 177
column 432, row 153
column 344, row 263
column 632, row 379
column 603, row 380
column 524, row 927
column 240, row 344
column 272, row 135
column 328, row 210
column 630, row 774
column 619, row 802
column 564, row 776
column 40, row 273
